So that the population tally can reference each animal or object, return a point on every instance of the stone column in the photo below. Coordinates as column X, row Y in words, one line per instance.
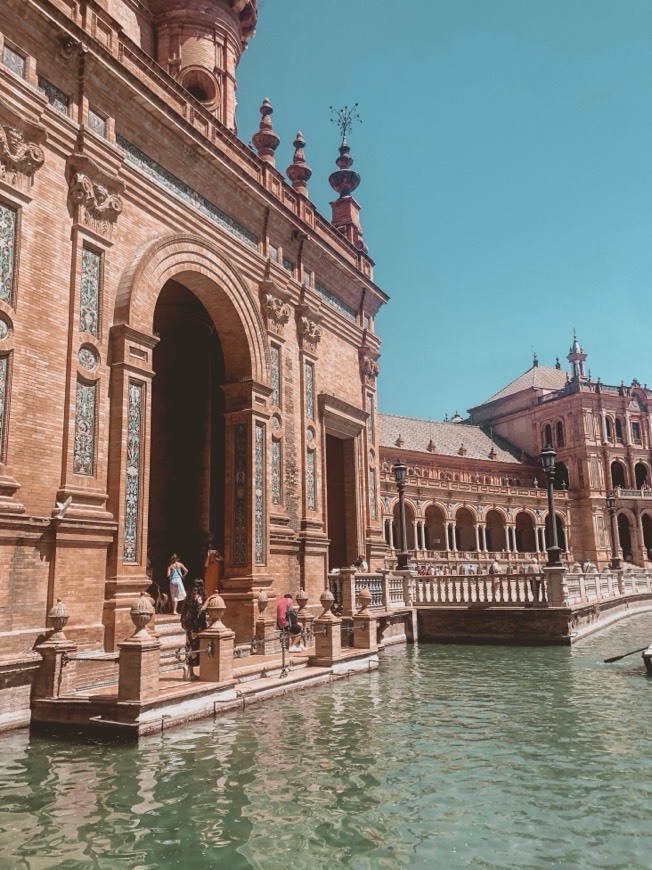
column 365, row 627
column 391, row 533
column 328, row 634
column 507, row 541
column 477, row 537
column 216, row 666
column 140, row 657
column 415, row 529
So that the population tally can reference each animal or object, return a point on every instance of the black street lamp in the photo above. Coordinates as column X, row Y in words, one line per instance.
column 400, row 473
column 611, row 507
column 548, row 462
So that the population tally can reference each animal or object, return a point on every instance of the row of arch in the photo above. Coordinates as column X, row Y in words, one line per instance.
column 620, row 474
column 463, row 530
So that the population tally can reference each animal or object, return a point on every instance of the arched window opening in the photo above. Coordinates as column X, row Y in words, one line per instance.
column 640, row 472
column 547, row 436
column 608, row 428
column 525, row 542
column 646, row 523
column 636, row 432
column 560, row 434
column 435, row 529
column 495, row 531
column 625, row 537
column 561, row 476
column 618, row 474
column 561, row 533
column 619, row 431
column 464, row 530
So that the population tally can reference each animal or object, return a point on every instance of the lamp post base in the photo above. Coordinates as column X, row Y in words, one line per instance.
column 402, row 561
column 554, row 557
column 615, row 563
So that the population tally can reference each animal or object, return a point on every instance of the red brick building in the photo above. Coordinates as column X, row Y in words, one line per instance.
column 187, row 346
column 476, row 489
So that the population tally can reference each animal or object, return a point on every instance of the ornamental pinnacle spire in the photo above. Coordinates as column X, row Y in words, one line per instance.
column 299, row 172
column 346, row 211
column 266, row 140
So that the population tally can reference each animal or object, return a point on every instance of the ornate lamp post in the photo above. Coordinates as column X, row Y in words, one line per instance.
column 400, row 473
column 548, row 462
column 611, row 507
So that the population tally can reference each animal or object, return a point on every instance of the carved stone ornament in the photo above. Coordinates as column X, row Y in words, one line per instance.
column 20, row 156
column 368, row 369
column 309, row 332
column 275, row 309
column 94, row 195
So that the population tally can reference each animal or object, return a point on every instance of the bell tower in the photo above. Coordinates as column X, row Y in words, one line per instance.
column 199, row 42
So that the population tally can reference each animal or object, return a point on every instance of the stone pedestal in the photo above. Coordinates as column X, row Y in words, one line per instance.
column 218, row 666
column 328, row 634
column 555, row 579
column 267, row 641
column 304, row 618
column 140, row 657
column 365, row 632
column 139, row 665
column 57, row 672
column 348, row 591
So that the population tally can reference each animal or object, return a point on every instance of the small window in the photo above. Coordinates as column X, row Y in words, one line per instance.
column 273, row 253
column 288, row 265
column 619, row 431
column 560, row 434
column 547, row 436
column 13, row 61
column 307, row 277
column 96, row 122
column 608, row 429
column 56, row 98
column 636, row 432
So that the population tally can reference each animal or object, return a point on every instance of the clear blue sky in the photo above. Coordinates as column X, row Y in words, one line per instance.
column 506, row 162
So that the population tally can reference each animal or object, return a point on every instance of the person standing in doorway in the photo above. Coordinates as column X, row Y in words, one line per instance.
column 176, row 572
column 193, row 621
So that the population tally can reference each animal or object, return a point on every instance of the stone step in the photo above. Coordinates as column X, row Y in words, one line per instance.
column 172, row 637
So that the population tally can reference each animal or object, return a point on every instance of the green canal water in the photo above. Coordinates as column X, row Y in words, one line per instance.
column 449, row 756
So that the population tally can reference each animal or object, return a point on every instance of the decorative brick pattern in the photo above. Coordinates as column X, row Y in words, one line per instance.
column 309, row 378
column 4, row 390
column 181, row 190
column 84, row 449
column 277, row 497
column 89, row 297
column 7, row 252
column 311, row 483
column 259, row 495
column 372, row 493
column 132, row 486
column 332, row 299
column 240, row 494
column 275, row 356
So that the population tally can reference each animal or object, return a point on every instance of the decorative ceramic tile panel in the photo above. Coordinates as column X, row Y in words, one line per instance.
column 372, row 494
column 309, row 385
column 83, row 460
column 96, row 123
column 4, row 330
column 13, row 61
column 240, row 494
column 332, row 299
column 4, row 377
column 132, row 477
column 370, row 422
column 178, row 188
column 259, row 495
column 311, row 483
column 56, row 98
column 87, row 358
column 7, row 252
column 89, row 296
column 277, row 497
column 275, row 355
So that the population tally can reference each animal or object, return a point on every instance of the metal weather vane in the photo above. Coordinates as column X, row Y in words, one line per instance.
column 345, row 118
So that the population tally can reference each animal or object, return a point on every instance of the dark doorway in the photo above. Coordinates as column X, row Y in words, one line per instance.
column 341, row 502
column 646, row 523
column 618, row 474
column 525, row 541
column 561, row 476
column 186, row 493
column 640, row 470
column 625, row 536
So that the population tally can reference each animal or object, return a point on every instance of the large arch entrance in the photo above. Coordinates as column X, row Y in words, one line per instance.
column 186, row 493
column 525, row 541
column 625, row 536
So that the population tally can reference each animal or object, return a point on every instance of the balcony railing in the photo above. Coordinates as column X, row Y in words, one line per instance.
column 634, row 493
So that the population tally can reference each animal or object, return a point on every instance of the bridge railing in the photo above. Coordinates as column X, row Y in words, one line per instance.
column 466, row 589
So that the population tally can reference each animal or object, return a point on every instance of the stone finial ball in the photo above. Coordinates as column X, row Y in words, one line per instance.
column 364, row 597
column 327, row 600
column 215, row 607
column 302, row 598
column 58, row 617
column 141, row 612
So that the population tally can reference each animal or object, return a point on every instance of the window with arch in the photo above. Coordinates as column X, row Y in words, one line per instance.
column 608, row 429
column 636, row 432
column 619, row 430
column 547, row 435
column 559, row 431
